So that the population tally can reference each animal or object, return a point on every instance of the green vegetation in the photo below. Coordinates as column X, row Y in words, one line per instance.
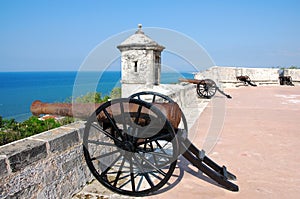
column 95, row 97
column 91, row 97
column 115, row 93
column 11, row 130
column 293, row 67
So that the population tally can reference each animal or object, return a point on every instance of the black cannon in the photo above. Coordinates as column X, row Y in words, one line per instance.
column 286, row 80
column 206, row 88
column 131, row 145
column 246, row 80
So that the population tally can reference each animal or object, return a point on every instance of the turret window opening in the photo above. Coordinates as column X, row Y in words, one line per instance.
column 135, row 67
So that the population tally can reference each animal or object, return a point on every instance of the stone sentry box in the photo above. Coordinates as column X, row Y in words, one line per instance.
column 141, row 62
column 47, row 165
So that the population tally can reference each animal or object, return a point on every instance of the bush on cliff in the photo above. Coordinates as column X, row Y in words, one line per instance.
column 11, row 130
column 91, row 97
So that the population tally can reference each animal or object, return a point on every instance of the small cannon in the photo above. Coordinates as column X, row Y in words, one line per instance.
column 131, row 145
column 205, row 88
column 286, row 80
column 246, row 79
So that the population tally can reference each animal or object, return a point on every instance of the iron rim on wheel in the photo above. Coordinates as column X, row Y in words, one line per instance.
column 130, row 147
column 206, row 89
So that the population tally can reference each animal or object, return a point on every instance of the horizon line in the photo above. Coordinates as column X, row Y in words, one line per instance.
column 120, row 70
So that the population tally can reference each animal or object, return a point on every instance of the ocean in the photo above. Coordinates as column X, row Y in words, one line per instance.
column 19, row 89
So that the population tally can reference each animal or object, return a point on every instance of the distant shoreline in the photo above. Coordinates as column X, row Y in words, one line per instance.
column 120, row 70
column 163, row 71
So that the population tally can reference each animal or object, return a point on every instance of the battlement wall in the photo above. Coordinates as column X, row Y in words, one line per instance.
column 226, row 76
column 46, row 165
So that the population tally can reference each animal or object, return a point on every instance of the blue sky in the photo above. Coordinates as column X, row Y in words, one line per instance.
column 59, row 34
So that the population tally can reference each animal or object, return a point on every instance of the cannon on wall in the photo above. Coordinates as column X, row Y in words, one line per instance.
column 246, row 80
column 131, row 145
column 285, row 79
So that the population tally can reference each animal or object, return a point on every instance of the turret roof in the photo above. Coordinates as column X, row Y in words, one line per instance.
column 139, row 41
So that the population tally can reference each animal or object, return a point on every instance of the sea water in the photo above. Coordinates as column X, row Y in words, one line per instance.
column 19, row 89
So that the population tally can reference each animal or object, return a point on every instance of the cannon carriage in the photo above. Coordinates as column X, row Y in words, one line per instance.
column 246, row 80
column 206, row 88
column 131, row 145
column 285, row 80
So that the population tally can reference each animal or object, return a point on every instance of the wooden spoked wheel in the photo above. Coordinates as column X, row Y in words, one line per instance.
column 130, row 147
column 206, row 88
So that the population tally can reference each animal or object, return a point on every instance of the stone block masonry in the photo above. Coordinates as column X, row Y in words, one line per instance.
column 47, row 165
column 22, row 153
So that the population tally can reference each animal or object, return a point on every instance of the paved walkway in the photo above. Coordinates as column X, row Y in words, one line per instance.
column 258, row 142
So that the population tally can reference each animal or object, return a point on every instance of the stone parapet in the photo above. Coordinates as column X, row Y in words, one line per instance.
column 22, row 153
column 226, row 76
column 183, row 93
column 47, row 165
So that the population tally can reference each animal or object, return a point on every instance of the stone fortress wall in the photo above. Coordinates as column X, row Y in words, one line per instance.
column 46, row 165
column 226, row 76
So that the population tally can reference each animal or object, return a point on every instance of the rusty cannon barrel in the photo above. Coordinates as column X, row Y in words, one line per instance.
column 78, row 110
column 192, row 81
column 172, row 111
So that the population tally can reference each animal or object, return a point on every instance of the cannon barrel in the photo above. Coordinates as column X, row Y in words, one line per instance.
column 172, row 111
column 78, row 110
column 193, row 81
column 243, row 78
